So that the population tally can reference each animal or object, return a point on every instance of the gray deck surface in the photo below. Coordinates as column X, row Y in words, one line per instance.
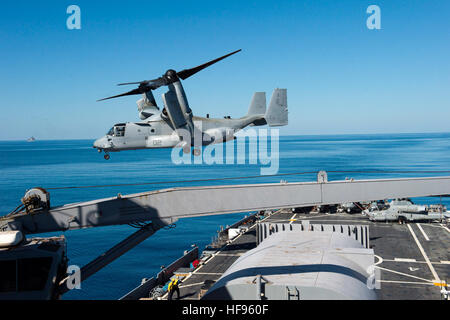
column 405, row 273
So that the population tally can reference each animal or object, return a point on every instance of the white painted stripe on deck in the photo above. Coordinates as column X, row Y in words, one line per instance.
column 210, row 273
column 312, row 216
column 404, row 260
column 229, row 254
column 390, row 260
column 404, row 274
column 405, row 282
column 435, row 275
column 192, row 285
column 436, row 262
column 380, row 260
column 448, row 230
column 423, row 232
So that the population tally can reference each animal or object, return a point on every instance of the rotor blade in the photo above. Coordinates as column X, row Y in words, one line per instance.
column 186, row 73
column 155, row 83
column 127, row 83
column 147, row 85
column 135, row 91
column 152, row 84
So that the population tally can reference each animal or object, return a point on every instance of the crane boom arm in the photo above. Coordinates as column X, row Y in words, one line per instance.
column 163, row 207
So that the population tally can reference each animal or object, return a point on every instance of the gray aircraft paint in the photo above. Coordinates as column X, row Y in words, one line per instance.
column 164, row 131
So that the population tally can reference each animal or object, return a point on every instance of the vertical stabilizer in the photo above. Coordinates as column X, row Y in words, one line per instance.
column 277, row 114
column 258, row 104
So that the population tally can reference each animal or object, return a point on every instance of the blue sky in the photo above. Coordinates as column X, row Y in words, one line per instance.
column 341, row 77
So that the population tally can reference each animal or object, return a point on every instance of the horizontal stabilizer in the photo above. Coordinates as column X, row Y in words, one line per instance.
column 277, row 113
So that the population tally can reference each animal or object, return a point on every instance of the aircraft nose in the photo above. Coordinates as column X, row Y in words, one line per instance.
column 96, row 143
column 100, row 143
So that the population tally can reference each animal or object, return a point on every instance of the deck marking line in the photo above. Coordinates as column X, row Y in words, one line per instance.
column 192, row 284
column 423, row 232
column 435, row 275
column 448, row 230
column 380, row 260
column 403, row 274
column 436, row 262
column 405, row 282
column 229, row 254
column 210, row 273
column 404, row 260
column 389, row 260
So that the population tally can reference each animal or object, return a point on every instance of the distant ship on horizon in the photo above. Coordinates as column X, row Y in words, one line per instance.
column 31, row 139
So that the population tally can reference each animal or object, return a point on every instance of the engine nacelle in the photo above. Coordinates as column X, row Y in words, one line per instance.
column 148, row 112
column 173, row 110
column 147, row 105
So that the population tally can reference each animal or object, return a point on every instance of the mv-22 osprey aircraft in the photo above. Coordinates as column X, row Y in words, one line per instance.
column 176, row 126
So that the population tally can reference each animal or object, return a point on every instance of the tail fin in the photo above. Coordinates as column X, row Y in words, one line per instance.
column 277, row 114
column 258, row 104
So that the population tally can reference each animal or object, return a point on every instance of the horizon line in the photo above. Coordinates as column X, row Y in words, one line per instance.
column 284, row 135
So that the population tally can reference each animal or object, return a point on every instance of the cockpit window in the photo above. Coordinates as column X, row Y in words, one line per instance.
column 117, row 131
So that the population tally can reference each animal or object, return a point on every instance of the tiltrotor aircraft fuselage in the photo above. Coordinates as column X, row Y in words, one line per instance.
column 176, row 126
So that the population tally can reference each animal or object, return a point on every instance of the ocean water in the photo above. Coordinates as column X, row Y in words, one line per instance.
column 54, row 164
